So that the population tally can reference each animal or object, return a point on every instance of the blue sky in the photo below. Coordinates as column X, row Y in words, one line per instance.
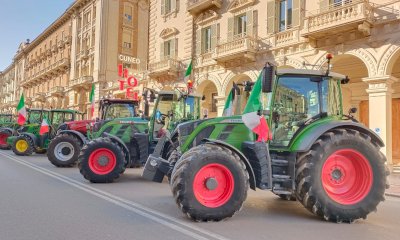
column 23, row 19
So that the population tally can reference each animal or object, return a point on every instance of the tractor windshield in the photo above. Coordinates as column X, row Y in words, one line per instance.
column 187, row 108
column 119, row 110
column 300, row 99
column 57, row 118
column 34, row 117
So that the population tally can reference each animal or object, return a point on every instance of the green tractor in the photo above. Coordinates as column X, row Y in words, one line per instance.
column 105, row 158
column 116, row 117
column 327, row 160
column 28, row 139
column 11, row 128
column 6, row 120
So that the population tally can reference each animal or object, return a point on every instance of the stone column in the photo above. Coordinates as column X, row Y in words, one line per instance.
column 220, row 105
column 380, row 110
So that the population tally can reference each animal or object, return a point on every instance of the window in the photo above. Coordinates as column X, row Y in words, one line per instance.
column 241, row 25
column 127, row 39
column 168, row 48
column 168, row 7
column 206, row 38
column 128, row 12
column 338, row 3
column 285, row 14
column 214, row 102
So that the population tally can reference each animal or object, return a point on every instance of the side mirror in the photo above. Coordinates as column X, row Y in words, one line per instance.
column 267, row 78
column 352, row 110
column 345, row 80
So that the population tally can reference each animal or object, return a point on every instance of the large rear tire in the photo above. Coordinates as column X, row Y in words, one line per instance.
column 101, row 161
column 23, row 146
column 4, row 134
column 209, row 183
column 343, row 177
column 64, row 150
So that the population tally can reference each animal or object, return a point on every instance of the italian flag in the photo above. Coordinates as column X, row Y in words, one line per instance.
column 228, row 108
column 91, row 99
column 21, row 109
column 188, row 72
column 251, row 118
column 44, row 128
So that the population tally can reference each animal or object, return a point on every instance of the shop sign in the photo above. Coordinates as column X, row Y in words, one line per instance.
column 127, row 83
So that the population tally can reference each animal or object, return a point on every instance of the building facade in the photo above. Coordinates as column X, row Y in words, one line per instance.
column 230, row 41
column 82, row 47
column 7, row 88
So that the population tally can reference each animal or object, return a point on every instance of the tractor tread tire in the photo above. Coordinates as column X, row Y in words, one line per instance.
column 83, row 161
column 173, row 159
column 309, row 190
column 185, row 171
column 30, row 149
column 64, row 137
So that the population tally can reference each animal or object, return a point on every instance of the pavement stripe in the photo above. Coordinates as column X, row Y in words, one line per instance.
column 171, row 222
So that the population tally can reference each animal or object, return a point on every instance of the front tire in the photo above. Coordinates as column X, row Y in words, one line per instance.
column 343, row 177
column 101, row 161
column 23, row 146
column 209, row 183
column 64, row 150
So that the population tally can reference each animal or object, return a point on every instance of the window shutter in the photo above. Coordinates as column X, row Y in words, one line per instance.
column 162, row 51
column 230, row 28
column 173, row 47
column 173, row 5
column 271, row 24
column 323, row 5
column 198, row 42
column 162, row 7
column 249, row 23
column 296, row 13
column 214, row 35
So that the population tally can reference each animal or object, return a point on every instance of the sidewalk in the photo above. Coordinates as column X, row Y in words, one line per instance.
column 394, row 189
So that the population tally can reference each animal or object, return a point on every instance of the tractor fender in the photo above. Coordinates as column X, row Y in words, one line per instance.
column 31, row 136
column 76, row 134
column 118, row 141
column 252, row 177
column 309, row 137
column 10, row 130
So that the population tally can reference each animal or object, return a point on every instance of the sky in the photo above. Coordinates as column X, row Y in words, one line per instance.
column 25, row 19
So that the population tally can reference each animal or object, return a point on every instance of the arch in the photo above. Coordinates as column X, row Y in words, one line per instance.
column 360, row 53
column 251, row 73
column 389, row 58
column 291, row 62
column 209, row 77
column 240, row 78
column 209, row 90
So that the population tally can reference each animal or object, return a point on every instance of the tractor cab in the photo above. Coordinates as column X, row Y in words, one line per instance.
column 6, row 118
column 172, row 108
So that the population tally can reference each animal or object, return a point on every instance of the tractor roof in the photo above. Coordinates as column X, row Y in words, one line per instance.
column 38, row 109
column 175, row 92
column 119, row 101
column 66, row 110
column 5, row 114
column 309, row 72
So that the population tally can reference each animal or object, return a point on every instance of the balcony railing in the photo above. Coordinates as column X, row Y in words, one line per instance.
column 168, row 66
column 196, row 6
column 60, row 64
column 285, row 38
column 56, row 91
column 241, row 47
column 338, row 18
column 81, row 81
column 39, row 97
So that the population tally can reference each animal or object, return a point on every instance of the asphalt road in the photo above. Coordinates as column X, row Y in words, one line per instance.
column 40, row 201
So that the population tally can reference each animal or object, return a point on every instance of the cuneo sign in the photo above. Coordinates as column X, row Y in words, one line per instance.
column 128, row 59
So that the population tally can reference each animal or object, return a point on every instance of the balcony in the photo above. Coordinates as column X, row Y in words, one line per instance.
column 167, row 67
column 61, row 64
column 57, row 91
column 81, row 82
column 196, row 6
column 242, row 47
column 285, row 38
column 39, row 97
column 356, row 15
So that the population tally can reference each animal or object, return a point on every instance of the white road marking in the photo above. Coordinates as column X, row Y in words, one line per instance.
column 149, row 213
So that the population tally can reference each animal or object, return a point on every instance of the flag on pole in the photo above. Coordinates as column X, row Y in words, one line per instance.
column 91, row 99
column 44, row 127
column 188, row 72
column 256, row 123
column 228, row 108
column 21, row 109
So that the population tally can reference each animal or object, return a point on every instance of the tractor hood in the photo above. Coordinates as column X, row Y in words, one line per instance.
column 79, row 126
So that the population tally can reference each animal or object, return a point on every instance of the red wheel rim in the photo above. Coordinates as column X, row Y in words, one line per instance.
column 213, row 185
column 3, row 139
column 102, row 161
column 347, row 176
